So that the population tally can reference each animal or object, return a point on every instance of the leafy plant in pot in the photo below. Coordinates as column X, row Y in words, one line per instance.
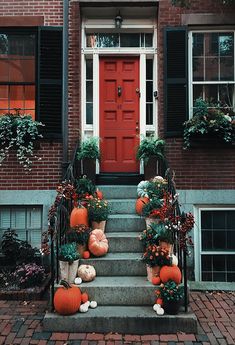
column 98, row 212
column 88, row 153
column 80, row 235
column 151, row 151
column 68, row 259
column 171, row 295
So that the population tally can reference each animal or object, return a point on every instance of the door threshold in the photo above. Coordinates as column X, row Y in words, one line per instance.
column 119, row 178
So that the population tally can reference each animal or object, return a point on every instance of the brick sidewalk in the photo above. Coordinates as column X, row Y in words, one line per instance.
column 20, row 323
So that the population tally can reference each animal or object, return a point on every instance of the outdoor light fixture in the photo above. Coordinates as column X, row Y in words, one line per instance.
column 118, row 21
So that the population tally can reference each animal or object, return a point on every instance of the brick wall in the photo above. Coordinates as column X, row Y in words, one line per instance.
column 198, row 168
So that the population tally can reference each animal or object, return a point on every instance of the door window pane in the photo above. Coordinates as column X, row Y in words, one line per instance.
column 89, row 92
column 130, row 40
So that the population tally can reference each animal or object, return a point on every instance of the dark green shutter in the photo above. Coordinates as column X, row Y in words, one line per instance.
column 50, row 55
column 175, row 79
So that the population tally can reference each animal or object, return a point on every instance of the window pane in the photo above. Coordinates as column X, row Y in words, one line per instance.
column 91, row 40
column 219, row 263
column 89, row 113
column 198, row 69
column 226, row 94
column 89, row 69
column 231, row 220
column 129, row 40
column 148, row 40
column 206, row 263
column 231, row 277
column 227, row 68
column 206, row 240
column 219, row 219
column 231, row 240
column 206, row 219
column 226, row 44
column 108, row 40
column 219, row 240
column 211, row 68
column 149, row 114
column 4, row 70
column 219, row 277
column 149, row 91
column 3, row 97
column 231, row 263
column 89, row 91
column 198, row 43
column 149, row 69
column 16, row 97
column 3, row 44
column 29, row 97
column 206, row 276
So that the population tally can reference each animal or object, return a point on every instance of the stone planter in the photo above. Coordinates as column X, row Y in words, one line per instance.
column 152, row 272
column 151, row 168
column 98, row 225
column 172, row 307
column 68, row 271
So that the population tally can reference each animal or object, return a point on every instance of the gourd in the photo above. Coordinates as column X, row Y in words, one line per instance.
column 170, row 273
column 86, row 254
column 156, row 280
column 141, row 189
column 79, row 215
column 85, row 297
column 67, row 299
column 86, row 272
column 140, row 202
column 98, row 243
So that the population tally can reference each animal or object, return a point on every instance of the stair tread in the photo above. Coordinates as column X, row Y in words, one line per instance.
column 132, row 234
column 116, row 256
column 124, row 215
column 119, row 281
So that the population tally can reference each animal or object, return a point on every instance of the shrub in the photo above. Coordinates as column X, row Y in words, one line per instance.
column 29, row 275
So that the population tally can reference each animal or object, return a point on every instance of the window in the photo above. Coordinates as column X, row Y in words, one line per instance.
column 218, row 245
column 31, row 74
column 111, row 40
column 26, row 221
column 17, row 72
column 89, row 92
column 213, row 73
column 149, row 92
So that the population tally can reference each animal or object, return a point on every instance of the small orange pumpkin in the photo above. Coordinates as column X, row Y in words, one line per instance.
column 156, row 280
column 79, row 215
column 67, row 299
column 170, row 273
column 86, row 254
column 140, row 202
column 98, row 243
column 85, row 297
column 159, row 301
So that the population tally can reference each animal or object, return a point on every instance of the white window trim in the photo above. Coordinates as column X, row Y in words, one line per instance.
column 190, row 67
column 198, row 238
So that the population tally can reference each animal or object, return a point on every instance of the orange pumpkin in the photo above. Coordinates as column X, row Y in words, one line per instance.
column 140, row 202
column 86, row 254
column 159, row 301
column 99, row 194
column 98, row 243
column 156, row 280
column 79, row 215
column 67, row 299
column 170, row 273
column 85, row 297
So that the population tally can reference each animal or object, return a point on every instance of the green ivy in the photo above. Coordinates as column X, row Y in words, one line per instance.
column 150, row 146
column 89, row 148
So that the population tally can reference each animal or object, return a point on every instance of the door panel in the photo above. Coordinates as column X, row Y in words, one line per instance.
column 119, row 114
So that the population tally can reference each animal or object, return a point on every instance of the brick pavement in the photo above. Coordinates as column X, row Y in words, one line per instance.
column 20, row 323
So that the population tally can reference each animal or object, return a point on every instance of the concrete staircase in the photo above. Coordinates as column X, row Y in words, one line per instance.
column 125, row 297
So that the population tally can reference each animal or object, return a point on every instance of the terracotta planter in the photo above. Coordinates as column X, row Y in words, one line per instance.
column 68, row 271
column 152, row 272
column 149, row 220
column 98, row 225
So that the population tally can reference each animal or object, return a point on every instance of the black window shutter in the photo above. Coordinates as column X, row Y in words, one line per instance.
column 175, row 79
column 49, row 90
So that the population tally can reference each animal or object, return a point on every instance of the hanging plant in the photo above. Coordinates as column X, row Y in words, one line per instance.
column 19, row 132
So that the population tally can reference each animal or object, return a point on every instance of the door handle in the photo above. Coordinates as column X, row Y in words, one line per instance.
column 119, row 91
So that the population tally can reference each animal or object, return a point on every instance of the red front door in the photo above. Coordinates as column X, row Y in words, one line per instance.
column 119, row 113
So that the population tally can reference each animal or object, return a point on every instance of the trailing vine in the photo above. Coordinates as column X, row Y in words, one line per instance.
column 19, row 132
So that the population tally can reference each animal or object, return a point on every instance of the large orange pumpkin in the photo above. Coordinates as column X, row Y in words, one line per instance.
column 79, row 215
column 140, row 202
column 170, row 273
column 98, row 243
column 67, row 299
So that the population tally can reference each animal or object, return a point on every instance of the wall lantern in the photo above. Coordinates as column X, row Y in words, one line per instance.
column 118, row 21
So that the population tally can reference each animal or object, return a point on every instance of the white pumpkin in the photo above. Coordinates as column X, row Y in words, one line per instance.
column 83, row 308
column 78, row 281
column 86, row 272
column 93, row 304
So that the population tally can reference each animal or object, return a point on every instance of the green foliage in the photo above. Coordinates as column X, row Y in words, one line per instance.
column 68, row 252
column 150, row 146
column 84, row 186
column 187, row 3
column 15, row 250
column 98, row 210
column 154, row 188
column 89, row 148
column 154, row 255
column 149, row 236
column 19, row 132
column 209, row 119
column 152, row 205
column 165, row 231
column 79, row 234
column 170, row 291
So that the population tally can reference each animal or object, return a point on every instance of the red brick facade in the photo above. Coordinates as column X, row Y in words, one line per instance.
column 195, row 168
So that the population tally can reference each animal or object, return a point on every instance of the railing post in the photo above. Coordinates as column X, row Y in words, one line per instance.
column 52, row 270
column 185, row 282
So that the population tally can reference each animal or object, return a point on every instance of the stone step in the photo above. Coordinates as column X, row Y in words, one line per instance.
column 122, row 206
column 125, row 223
column 121, row 319
column 124, row 242
column 118, row 192
column 117, row 264
column 120, row 290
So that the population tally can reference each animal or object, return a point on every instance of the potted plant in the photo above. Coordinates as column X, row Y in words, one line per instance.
column 79, row 234
column 84, row 186
column 98, row 212
column 151, row 151
column 88, row 153
column 171, row 295
column 68, row 259
column 19, row 132
column 209, row 122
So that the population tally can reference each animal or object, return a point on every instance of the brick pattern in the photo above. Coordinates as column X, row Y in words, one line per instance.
column 20, row 323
